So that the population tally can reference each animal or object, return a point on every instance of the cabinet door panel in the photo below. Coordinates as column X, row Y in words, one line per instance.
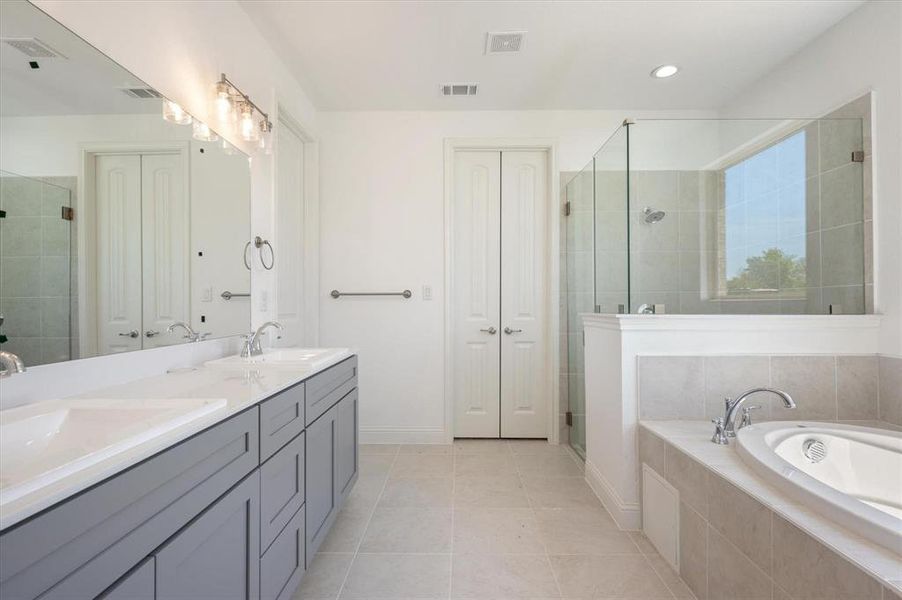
column 282, row 565
column 138, row 585
column 218, row 554
column 281, row 489
column 346, row 450
column 321, row 480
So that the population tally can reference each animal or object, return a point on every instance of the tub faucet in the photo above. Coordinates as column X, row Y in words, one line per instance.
column 10, row 364
column 724, row 427
column 251, row 346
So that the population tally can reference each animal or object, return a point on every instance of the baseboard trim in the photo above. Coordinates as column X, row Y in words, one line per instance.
column 627, row 515
column 402, row 435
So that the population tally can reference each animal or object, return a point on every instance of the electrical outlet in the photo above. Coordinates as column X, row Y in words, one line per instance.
column 206, row 295
column 427, row 292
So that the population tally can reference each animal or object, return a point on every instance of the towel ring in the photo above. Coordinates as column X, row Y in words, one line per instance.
column 247, row 265
column 258, row 244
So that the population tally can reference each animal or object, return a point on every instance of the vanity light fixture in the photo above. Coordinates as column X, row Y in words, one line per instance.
column 234, row 106
column 174, row 113
column 202, row 132
column 665, row 71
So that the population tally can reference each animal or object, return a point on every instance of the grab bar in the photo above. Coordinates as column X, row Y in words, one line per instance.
column 227, row 295
column 337, row 294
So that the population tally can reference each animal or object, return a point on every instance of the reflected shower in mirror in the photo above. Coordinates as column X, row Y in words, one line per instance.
column 120, row 215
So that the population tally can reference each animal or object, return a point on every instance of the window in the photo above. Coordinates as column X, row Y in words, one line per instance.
column 764, row 223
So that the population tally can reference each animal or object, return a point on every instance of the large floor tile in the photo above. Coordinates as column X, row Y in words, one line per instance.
column 536, row 447
column 412, row 530
column 548, row 465
column 375, row 464
column 490, row 492
column 411, row 576
column 323, row 579
column 496, row 531
column 418, row 492
column 502, row 576
column 366, row 492
column 384, row 449
column 560, row 492
column 427, row 449
column 582, row 531
column 484, row 465
column 610, row 576
column 422, row 465
column 347, row 531
column 481, row 447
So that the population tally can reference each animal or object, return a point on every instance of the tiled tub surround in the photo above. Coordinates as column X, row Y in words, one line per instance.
column 37, row 275
column 742, row 539
column 825, row 387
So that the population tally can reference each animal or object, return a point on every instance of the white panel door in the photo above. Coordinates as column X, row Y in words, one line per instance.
column 118, row 196
column 290, row 236
column 476, row 275
column 525, row 388
column 165, row 229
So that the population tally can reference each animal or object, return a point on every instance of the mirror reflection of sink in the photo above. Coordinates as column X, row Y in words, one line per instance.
column 44, row 442
column 295, row 358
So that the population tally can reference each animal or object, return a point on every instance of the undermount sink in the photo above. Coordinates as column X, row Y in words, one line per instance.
column 295, row 358
column 44, row 442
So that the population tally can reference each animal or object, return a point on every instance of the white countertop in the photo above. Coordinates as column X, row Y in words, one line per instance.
column 240, row 387
column 694, row 439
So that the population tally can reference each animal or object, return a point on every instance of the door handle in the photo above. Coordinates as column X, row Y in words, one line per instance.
column 132, row 334
column 150, row 334
column 509, row 331
column 490, row 330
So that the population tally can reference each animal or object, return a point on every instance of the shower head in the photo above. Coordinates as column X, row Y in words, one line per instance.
column 652, row 215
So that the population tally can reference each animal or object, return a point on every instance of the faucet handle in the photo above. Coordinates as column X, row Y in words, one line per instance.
column 746, row 419
column 719, row 436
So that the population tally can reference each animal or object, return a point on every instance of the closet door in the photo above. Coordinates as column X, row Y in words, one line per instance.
column 524, row 295
column 117, row 182
column 476, row 285
column 165, row 223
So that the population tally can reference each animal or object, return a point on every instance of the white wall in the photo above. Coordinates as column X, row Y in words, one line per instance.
column 382, row 227
column 181, row 49
column 862, row 52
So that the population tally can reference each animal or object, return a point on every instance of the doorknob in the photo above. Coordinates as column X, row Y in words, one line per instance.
column 509, row 331
column 132, row 334
column 150, row 334
column 490, row 330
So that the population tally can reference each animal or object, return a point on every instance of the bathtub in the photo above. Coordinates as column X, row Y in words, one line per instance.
column 849, row 474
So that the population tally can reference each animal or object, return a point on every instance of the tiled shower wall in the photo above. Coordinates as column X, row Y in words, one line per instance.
column 825, row 388
column 37, row 274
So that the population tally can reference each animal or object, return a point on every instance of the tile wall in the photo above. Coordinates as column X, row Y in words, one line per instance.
column 37, row 274
column 825, row 388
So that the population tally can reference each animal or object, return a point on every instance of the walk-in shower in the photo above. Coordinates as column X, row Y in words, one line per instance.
column 715, row 216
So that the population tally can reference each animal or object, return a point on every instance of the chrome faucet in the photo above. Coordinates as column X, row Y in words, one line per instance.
column 11, row 364
column 251, row 346
column 724, row 427
column 190, row 334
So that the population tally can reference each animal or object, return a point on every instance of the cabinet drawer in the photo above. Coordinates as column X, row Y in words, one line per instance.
column 281, row 489
column 281, row 418
column 330, row 386
column 83, row 545
column 282, row 565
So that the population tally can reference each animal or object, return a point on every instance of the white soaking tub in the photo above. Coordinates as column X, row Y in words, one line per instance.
column 850, row 474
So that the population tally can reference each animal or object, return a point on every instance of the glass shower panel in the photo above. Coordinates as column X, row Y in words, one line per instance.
column 35, row 269
column 611, row 225
column 746, row 216
column 578, row 295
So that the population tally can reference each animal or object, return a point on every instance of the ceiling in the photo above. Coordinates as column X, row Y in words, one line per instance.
column 84, row 82
column 382, row 55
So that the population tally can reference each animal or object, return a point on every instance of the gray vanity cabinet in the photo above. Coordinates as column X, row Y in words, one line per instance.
column 139, row 584
column 281, row 489
column 217, row 555
column 322, row 496
column 346, row 445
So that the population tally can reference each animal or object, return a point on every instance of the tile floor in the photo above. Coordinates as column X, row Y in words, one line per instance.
column 481, row 519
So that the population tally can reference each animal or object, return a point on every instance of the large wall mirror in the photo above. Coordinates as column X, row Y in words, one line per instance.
column 116, row 223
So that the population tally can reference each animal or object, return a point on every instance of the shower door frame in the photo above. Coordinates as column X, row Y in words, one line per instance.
column 548, row 145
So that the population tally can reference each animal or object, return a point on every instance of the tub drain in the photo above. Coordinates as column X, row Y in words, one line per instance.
column 814, row 450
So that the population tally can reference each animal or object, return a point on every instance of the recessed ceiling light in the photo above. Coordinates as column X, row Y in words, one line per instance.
column 665, row 71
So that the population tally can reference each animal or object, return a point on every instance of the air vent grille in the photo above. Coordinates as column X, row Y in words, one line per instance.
column 459, row 89
column 142, row 93
column 32, row 48
column 502, row 42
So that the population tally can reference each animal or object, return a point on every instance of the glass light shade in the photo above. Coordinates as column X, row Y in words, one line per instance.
column 174, row 113
column 247, row 128
column 201, row 131
column 266, row 137
column 223, row 103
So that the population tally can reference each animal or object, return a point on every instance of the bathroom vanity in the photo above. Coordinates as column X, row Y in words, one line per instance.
column 235, row 510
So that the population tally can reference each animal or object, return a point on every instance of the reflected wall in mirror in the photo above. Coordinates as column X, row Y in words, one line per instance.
column 116, row 223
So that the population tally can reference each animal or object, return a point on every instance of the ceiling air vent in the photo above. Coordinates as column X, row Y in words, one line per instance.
column 502, row 42
column 459, row 89
column 142, row 93
column 32, row 47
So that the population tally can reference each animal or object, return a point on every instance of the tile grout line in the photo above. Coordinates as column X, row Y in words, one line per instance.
column 368, row 521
